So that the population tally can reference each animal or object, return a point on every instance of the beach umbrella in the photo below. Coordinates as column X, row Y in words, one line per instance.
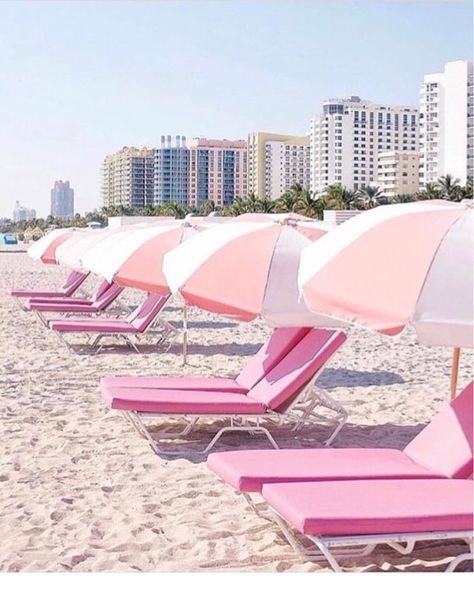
column 70, row 253
column 397, row 265
column 134, row 256
column 243, row 271
column 45, row 248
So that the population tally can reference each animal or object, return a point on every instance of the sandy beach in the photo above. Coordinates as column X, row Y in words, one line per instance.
column 80, row 491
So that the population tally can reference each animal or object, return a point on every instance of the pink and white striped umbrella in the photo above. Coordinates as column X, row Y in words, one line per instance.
column 395, row 265
column 243, row 271
column 44, row 249
column 133, row 257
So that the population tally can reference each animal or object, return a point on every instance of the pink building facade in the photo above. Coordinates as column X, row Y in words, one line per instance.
column 217, row 171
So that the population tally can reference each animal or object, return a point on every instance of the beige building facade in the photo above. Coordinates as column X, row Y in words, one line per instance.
column 398, row 173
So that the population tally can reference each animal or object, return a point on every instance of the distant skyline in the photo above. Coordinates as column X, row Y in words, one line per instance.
column 79, row 80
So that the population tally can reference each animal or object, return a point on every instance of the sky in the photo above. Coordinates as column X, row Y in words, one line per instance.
column 81, row 79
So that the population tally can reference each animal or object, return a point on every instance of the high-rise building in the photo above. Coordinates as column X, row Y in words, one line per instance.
column 128, row 178
column 346, row 139
column 62, row 200
column 447, row 123
column 276, row 162
column 171, row 177
column 21, row 213
column 217, row 171
column 398, row 172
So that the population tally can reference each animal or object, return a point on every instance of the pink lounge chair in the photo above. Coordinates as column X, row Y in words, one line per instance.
column 74, row 280
column 137, row 323
column 279, row 344
column 349, row 518
column 103, row 299
column 279, row 377
column 101, row 289
column 443, row 449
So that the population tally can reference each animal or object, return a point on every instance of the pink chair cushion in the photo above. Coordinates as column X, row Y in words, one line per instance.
column 72, row 283
column 63, row 307
column 445, row 445
column 296, row 369
column 279, row 344
column 249, row 470
column 145, row 314
column 374, row 507
column 71, row 305
column 182, row 402
column 182, row 383
column 91, row 326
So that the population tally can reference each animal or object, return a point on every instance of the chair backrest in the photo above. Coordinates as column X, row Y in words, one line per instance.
column 73, row 281
column 101, row 289
column 142, row 316
column 445, row 444
column 277, row 346
column 281, row 386
column 108, row 296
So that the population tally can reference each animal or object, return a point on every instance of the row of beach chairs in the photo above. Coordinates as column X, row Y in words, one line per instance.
column 331, row 504
column 63, row 302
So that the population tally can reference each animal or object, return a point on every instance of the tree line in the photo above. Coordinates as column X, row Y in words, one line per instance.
column 296, row 199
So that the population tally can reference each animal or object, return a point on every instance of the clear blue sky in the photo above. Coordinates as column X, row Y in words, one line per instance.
column 79, row 80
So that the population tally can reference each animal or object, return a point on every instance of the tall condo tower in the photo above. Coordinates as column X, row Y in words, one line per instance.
column 127, row 178
column 171, row 171
column 347, row 137
column 447, row 123
column 276, row 162
column 217, row 171
column 62, row 200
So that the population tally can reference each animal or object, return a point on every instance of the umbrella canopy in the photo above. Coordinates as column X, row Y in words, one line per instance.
column 133, row 257
column 45, row 248
column 395, row 265
column 242, row 271
column 143, row 268
column 70, row 253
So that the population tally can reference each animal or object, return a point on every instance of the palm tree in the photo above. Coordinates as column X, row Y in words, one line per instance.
column 237, row 207
column 430, row 191
column 468, row 190
column 371, row 197
column 338, row 197
column 171, row 208
column 307, row 205
column 450, row 187
column 207, row 207
column 404, row 198
column 266, row 206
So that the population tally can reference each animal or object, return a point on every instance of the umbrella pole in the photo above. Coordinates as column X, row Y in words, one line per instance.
column 185, row 334
column 454, row 371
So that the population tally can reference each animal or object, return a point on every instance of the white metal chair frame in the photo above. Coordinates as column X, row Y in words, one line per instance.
column 300, row 412
column 335, row 548
column 168, row 334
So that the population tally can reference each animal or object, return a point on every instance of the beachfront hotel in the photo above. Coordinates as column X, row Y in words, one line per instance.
column 217, row 171
column 62, row 200
column 127, row 178
column 171, row 171
column 276, row 162
column 398, row 172
column 447, row 123
column 347, row 138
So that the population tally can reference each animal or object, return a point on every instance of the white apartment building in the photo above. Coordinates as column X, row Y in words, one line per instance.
column 346, row 139
column 398, row 172
column 276, row 162
column 128, row 178
column 447, row 123
column 21, row 213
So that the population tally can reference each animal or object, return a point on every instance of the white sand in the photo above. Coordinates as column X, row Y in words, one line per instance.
column 81, row 491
